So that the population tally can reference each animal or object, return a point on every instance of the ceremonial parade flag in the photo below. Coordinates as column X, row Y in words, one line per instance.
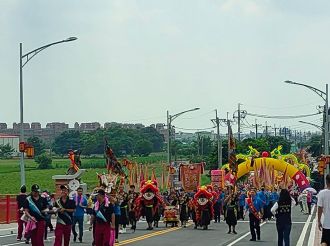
column 231, row 152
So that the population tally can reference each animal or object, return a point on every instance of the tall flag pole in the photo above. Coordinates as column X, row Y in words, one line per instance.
column 232, row 152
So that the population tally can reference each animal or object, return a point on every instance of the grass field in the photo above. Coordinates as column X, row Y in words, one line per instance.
column 10, row 172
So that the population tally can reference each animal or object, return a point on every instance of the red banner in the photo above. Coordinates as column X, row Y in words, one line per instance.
column 218, row 178
column 190, row 176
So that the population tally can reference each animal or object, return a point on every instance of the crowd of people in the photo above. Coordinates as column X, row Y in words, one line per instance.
column 112, row 214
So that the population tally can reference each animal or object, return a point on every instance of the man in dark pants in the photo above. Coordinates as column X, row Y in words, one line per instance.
column 65, row 208
column 78, row 216
column 323, row 207
column 254, row 206
column 20, row 202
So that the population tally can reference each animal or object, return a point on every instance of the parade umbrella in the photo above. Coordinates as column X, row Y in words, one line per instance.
column 310, row 189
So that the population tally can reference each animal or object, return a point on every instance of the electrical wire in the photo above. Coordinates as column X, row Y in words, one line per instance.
column 282, row 116
column 194, row 129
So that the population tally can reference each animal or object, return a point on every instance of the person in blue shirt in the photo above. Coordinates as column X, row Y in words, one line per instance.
column 217, row 205
column 241, row 204
column 254, row 205
column 116, row 209
column 262, row 196
column 78, row 216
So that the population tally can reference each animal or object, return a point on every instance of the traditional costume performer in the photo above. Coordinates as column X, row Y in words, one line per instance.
column 184, row 213
column 148, row 203
column 204, row 207
column 254, row 206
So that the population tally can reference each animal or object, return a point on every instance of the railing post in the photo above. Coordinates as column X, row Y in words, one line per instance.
column 7, row 209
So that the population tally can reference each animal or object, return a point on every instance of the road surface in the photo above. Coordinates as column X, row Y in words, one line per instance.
column 216, row 235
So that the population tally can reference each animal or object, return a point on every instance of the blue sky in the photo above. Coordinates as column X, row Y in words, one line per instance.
column 134, row 60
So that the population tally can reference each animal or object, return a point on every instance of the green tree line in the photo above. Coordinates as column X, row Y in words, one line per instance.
column 123, row 141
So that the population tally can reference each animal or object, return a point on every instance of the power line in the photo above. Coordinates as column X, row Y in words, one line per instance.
column 282, row 116
column 194, row 129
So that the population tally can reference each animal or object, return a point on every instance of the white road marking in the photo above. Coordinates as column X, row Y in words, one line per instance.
column 312, row 233
column 303, row 233
column 23, row 242
column 246, row 234
column 7, row 229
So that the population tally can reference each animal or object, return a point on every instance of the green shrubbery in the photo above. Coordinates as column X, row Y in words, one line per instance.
column 44, row 161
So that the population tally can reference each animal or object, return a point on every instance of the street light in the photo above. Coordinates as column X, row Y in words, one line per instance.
column 312, row 124
column 28, row 57
column 325, row 97
column 171, row 118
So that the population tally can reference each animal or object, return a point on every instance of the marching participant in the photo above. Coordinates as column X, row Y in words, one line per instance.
column 148, row 202
column 64, row 208
column 20, row 199
column 204, row 208
column 35, row 207
column 104, row 218
column 81, row 204
column 254, row 205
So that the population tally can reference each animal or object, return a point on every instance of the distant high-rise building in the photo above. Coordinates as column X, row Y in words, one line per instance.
column 3, row 126
column 90, row 126
column 35, row 125
column 17, row 126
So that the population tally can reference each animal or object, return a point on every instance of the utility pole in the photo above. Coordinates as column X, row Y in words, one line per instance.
column 239, row 122
column 256, row 126
column 300, row 140
column 275, row 128
column 285, row 132
column 267, row 128
column 216, row 121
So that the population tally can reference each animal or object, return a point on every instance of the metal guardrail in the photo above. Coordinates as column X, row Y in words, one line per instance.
column 8, row 209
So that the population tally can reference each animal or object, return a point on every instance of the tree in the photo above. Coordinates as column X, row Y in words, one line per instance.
column 44, row 161
column 143, row 147
column 38, row 145
column 314, row 144
column 67, row 140
column 6, row 151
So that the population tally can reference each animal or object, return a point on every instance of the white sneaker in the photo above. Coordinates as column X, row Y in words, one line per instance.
column 120, row 231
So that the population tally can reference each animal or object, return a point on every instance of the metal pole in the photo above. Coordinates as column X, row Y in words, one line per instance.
column 21, row 139
column 168, row 138
column 239, row 122
column 218, row 140
column 326, row 130
column 326, row 127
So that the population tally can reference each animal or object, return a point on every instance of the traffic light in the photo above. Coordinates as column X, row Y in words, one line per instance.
column 21, row 146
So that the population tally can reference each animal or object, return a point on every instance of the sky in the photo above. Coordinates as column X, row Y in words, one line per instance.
column 134, row 60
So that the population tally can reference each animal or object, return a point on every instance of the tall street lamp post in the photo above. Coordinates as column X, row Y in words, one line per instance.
column 325, row 97
column 170, row 119
column 28, row 56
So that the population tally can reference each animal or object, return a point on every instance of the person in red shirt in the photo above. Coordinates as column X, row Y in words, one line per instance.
column 64, row 208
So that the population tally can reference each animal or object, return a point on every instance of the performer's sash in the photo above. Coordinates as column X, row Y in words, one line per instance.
column 252, row 208
column 33, row 207
column 64, row 213
column 101, row 216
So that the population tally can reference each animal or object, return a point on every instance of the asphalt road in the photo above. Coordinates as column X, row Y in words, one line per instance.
column 216, row 235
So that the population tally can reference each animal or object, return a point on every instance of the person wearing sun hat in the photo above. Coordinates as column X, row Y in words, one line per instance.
column 64, row 208
column 35, row 207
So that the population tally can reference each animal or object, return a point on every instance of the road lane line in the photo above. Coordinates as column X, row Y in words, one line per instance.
column 312, row 233
column 23, row 242
column 139, row 238
column 146, row 236
column 303, row 233
column 7, row 229
column 245, row 235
